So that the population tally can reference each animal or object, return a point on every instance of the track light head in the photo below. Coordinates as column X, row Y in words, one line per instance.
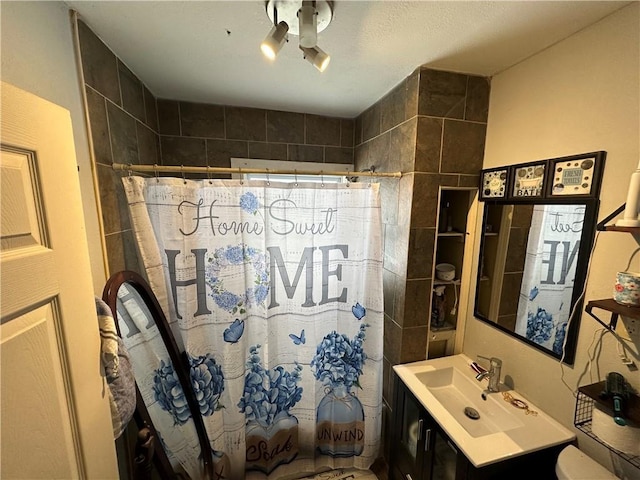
column 273, row 42
column 317, row 57
column 308, row 24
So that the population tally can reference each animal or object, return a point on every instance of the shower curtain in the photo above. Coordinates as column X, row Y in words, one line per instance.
column 275, row 292
column 548, row 277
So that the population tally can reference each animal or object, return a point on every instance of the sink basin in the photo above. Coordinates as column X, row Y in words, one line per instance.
column 457, row 392
column 447, row 386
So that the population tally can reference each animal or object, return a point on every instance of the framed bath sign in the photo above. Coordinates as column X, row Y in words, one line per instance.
column 528, row 180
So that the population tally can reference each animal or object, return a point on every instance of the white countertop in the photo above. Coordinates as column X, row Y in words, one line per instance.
column 526, row 432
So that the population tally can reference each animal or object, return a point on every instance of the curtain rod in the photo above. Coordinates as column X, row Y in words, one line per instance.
column 241, row 170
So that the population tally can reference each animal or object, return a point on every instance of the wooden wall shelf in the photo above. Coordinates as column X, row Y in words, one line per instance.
column 588, row 396
column 603, row 227
column 632, row 405
column 614, row 308
column 613, row 228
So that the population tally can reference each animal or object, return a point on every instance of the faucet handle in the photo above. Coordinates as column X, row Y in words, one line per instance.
column 493, row 360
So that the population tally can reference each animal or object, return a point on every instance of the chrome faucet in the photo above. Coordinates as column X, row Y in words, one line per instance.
column 493, row 374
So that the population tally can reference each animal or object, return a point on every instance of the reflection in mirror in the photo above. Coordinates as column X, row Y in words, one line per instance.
column 533, row 260
column 161, row 373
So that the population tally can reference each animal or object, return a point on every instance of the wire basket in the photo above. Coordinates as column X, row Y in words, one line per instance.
column 582, row 421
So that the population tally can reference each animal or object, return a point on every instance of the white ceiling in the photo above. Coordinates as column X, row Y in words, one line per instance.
column 209, row 51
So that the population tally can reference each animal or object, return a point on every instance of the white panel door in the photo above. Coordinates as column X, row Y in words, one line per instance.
column 54, row 413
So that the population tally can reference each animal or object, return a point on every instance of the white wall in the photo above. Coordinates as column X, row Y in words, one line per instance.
column 581, row 95
column 38, row 56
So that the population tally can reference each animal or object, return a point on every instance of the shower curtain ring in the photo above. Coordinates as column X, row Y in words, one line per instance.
column 183, row 177
column 209, row 175
column 347, row 177
column 155, row 170
column 129, row 168
column 268, row 181
column 321, row 179
column 240, row 173
column 295, row 173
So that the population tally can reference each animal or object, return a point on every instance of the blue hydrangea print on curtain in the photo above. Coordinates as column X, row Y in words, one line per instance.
column 539, row 326
column 207, row 381
column 340, row 417
column 237, row 255
column 271, row 432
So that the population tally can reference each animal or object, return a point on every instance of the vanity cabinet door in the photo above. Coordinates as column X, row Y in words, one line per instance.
column 446, row 461
column 420, row 449
column 411, row 437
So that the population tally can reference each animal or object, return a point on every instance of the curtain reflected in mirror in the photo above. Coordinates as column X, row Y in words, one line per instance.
column 162, row 375
column 532, row 271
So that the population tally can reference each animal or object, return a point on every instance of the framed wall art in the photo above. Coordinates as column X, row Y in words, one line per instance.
column 494, row 183
column 576, row 176
column 528, row 180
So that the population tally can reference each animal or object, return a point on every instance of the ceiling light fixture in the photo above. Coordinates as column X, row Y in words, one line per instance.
column 273, row 42
column 316, row 57
column 302, row 18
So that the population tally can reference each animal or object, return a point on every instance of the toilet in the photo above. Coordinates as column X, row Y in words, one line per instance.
column 572, row 464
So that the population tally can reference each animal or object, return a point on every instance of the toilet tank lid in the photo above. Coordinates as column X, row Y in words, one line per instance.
column 573, row 464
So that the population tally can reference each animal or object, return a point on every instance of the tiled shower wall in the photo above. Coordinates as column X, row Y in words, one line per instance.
column 431, row 127
column 129, row 125
column 192, row 132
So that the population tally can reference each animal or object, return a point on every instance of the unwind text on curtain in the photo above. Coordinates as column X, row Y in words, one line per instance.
column 276, row 293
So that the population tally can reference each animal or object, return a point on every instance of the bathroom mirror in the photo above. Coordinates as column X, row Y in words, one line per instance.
column 532, row 270
column 165, row 398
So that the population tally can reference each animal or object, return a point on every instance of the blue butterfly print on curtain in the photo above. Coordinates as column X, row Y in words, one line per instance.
column 234, row 332
column 297, row 340
column 358, row 311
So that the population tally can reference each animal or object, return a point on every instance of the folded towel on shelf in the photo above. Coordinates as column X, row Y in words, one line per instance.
column 118, row 372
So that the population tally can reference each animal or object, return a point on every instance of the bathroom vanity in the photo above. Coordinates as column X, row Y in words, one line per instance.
column 444, row 429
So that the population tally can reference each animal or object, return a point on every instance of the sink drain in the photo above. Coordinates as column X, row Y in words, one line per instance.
column 472, row 413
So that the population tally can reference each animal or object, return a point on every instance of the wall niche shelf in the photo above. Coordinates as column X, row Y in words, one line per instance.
column 614, row 308
column 588, row 396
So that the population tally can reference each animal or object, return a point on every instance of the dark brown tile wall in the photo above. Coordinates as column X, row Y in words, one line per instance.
column 123, row 123
column 431, row 127
column 99, row 65
column 249, row 133
column 129, row 125
column 131, row 92
column 200, row 120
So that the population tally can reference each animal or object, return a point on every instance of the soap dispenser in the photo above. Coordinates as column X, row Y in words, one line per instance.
column 444, row 223
column 438, row 300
